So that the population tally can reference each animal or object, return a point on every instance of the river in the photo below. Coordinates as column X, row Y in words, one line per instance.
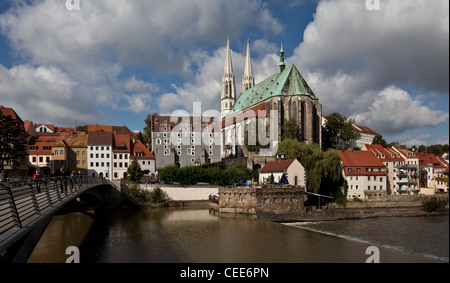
column 199, row 235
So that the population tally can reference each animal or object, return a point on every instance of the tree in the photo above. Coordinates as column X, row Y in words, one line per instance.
column 323, row 170
column 82, row 128
column 338, row 132
column 378, row 139
column 12, row 145
column 135, row 172
column 290, row 130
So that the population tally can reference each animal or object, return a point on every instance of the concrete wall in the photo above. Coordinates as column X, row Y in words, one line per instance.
column 175, row 193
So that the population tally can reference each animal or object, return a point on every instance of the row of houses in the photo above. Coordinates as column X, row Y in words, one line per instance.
column 98, row 151
column 378, row 171
column 373, row 172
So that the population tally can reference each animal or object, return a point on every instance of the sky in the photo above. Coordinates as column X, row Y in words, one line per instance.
column 113, row 62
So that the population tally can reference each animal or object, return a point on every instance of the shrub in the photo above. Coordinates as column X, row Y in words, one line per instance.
column 434, row 204
column 341, row 201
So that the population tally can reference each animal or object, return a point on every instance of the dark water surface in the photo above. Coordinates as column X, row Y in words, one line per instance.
column 199, row 235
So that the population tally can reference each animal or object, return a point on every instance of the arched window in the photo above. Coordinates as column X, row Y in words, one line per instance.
column 294, row 111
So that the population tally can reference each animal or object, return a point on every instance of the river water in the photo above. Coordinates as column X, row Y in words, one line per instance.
column 199, row 235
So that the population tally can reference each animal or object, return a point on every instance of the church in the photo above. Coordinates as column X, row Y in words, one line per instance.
column 283, row 97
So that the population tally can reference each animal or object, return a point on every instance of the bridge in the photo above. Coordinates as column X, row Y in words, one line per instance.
column 26, row 208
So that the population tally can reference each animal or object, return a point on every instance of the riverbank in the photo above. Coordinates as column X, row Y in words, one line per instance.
column 333, row 213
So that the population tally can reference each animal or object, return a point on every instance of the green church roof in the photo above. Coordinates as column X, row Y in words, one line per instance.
column 287, row 83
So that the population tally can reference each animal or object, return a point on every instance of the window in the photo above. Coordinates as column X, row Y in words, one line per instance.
column 56, row 152
column 275, row 200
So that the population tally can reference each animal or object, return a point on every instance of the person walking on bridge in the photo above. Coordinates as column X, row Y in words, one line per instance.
column 37, row 177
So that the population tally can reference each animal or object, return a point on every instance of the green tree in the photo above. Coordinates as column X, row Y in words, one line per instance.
column 290, row 130
column 378, row 139
column 135, row 172
column 12, row 144
column 82, row 128
column 323, row 170
column 338, row 132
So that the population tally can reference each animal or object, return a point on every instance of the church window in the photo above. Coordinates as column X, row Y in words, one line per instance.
column 294, row 111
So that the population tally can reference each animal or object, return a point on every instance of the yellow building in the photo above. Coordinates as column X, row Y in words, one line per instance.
column 70, row 153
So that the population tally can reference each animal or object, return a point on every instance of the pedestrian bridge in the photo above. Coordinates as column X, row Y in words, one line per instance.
column 26, row 208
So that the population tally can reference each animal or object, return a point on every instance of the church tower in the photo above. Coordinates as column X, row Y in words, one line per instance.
column 282, row 64
column 248, row 80
column 228, row 84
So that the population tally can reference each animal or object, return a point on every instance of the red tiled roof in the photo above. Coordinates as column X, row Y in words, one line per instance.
column 361, row 160
column 9, row 112
column 385, row 154
column 122, row 130
column 278, row 165
column 122, row 141
column 430, row 159
column 363, row 129
column 100, row 138
column 139, row 147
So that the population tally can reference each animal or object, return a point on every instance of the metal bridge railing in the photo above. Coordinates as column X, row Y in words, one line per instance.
column 21, row 202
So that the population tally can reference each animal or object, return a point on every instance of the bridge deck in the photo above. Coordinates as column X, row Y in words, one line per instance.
column 24, row 204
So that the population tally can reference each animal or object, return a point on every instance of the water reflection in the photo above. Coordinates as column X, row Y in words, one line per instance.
column 199, row 235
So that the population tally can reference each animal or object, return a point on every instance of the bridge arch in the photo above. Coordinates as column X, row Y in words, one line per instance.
column 26, row 208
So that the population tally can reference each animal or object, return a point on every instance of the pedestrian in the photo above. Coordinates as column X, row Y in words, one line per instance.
column 2, row 176
column 37, row 177
column 63, row 174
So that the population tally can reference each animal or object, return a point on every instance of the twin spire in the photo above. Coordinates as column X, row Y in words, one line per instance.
column 248, row 80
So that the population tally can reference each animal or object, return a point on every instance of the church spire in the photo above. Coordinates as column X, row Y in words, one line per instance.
column 228, row 63
column 228, row 84
column 248, row 81
column 281, row 65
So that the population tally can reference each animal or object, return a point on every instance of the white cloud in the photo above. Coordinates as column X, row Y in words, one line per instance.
column 96, row 46
column 370, row 64
column 44, row 95
column 406, row 41
column 394, row 110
